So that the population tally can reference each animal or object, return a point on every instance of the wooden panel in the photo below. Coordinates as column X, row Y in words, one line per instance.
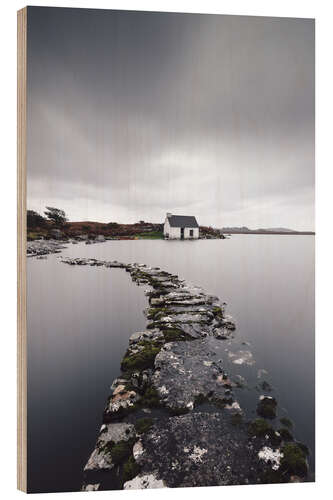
column 21, row 250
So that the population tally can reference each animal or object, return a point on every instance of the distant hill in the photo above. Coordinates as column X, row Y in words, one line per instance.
column 272, row 230
column 280, row 230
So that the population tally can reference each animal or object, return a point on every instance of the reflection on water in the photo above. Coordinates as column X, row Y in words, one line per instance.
column 80, row 318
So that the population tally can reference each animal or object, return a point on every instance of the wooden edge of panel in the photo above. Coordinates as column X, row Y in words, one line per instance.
column 21, row 250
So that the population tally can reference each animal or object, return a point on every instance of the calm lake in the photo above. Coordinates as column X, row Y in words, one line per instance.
column 80, row 319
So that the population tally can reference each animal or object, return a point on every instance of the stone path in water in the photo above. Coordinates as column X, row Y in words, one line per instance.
column 172, row 419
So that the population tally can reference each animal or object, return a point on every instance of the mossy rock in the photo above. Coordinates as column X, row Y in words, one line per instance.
column 304, row 448
column 155, row 313
column 142, row 360
column 294, row 460
column 175, row 334
column 273, row 477
column 142, row 425
column 267, row 407
column 217, row 311
column 150, row 398
column 119, row 452
column 285, row 434
column 130, row 469
column 286, row 422
column 260, row 427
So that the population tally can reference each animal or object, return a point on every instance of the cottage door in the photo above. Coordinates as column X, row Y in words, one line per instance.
column 181, row 233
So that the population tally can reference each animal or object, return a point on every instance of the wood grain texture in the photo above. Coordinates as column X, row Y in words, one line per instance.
column 21, row 250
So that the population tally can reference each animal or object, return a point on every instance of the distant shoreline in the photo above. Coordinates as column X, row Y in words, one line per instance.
column 289, row 233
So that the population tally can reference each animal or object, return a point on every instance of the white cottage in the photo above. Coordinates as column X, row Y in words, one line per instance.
column 180, row 227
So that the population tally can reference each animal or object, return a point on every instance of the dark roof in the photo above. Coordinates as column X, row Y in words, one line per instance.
column 182, row 221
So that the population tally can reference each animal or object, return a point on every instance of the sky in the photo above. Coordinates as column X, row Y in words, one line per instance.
column 135, row 114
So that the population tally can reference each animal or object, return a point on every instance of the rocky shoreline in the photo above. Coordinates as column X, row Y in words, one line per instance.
column 172, row 418
column 42, row 248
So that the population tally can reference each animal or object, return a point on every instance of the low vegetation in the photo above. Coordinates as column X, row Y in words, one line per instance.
column 294, row 459
column 286, row 422
column 259, row 427
column 41, row 226
column 142, row 425
column 143, row 359
column 130, row 469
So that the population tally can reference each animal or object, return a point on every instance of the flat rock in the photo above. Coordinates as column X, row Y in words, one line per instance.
column 99, row 460
column 199, row 449
column 147, row 481
column 186, row 370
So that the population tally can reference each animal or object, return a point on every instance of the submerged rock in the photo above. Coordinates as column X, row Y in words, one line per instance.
column 267, row 407
column 242, row 357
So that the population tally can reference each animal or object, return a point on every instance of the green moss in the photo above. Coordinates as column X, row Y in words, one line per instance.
column 156, row 312
column 142, row 425
column 267, row 407
column 217, row 312
column 273, row 477
column 286, row 422
column 31, row 236
column 175, row 334
column 142, row 360
column 304, row 448
column 294, row 460
column 259, row 427
column 285, row 434
column 119, row 452
column 130, row 470
column 153, row 235
column 150, row 398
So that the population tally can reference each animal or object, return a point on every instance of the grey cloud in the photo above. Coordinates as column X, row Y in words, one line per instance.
column 133, row 114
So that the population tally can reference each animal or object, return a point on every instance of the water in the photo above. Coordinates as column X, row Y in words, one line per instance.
column 80, row 318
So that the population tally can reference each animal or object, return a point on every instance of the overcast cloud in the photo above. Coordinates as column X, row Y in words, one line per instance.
column 135, row 114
